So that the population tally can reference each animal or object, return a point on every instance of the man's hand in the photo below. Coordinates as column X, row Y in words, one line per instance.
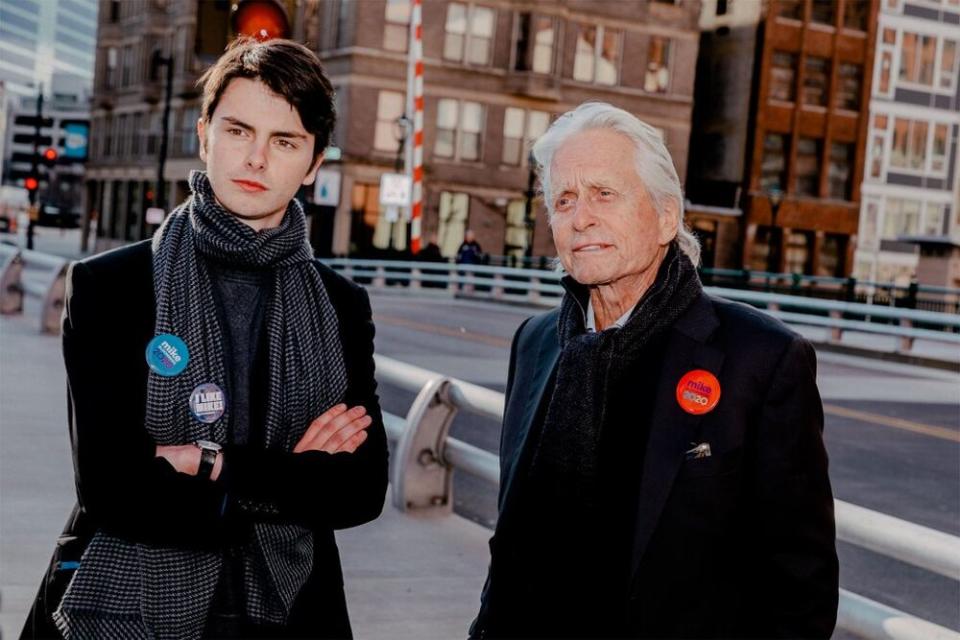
column 338, row 430
column 185, row 458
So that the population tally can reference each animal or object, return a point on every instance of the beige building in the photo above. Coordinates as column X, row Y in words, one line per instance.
column 496, row 73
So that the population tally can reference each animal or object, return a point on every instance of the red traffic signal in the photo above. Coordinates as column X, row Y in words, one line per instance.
column 50, row 155
column 260, row 19
column 31, row 183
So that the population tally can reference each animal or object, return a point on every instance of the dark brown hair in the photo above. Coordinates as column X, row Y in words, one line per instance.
column 289, row 69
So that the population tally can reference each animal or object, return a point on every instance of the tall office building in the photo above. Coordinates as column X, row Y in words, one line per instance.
column 910, row 184
column 40, row 38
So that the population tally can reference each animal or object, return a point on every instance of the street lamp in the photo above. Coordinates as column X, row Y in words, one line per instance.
column 530, row 194
column 775, row 196
column 156, row 62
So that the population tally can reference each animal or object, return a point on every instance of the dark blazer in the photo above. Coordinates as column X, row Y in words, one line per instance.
column 124, row 489
column 737, row 544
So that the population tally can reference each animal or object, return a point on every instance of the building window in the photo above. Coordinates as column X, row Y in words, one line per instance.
column 809, row 151
column 816, row 81
column 876, row 156
column 822, row 11
column 849, row 86
column 126, row 66
column 948, row 64
column 111, row 75
column 597, row 56
column 535, row 38
column 783, row 76
column 886, row 61
column 389, row 109
column 938, row 154
column 918, row 54
column 791, row 9
column 520, row 129
column 841, row 171
column 855, row 14
column 932, row 220
column 454, row 209
column 396, row 27
column 776, row 151
column 517, row 236
column 136, row 135
column 188, row 126
column 868, row 226
column 657, row 78
column 901, row 218
column 909, row 144
column 468, row 34
column 459, row 127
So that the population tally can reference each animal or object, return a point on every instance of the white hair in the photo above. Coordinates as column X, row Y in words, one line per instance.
column 653, row 162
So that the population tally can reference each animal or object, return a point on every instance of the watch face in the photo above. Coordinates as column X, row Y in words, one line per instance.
column 206, row 444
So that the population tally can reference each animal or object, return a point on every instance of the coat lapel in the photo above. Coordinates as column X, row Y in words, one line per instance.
column 673, row 430
column 534, row 380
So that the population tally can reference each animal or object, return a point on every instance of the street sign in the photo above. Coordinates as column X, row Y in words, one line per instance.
column 326, row 188
column 395, row 190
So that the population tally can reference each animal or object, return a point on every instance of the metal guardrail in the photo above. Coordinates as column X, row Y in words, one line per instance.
column 422, row 468
column 48, row 285
column 543, row 288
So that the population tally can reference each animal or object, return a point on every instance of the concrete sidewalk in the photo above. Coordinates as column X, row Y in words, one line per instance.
column 406, row 577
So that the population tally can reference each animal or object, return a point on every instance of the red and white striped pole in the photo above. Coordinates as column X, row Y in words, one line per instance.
column 415, row 106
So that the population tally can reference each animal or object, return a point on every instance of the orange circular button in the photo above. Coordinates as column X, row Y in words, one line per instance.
column 698, row 392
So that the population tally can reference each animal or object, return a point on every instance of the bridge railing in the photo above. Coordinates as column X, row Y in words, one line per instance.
column 37, row 275
column 543, row 288
column 426, row 457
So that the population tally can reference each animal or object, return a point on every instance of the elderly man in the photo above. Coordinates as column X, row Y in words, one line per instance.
column 662, row 467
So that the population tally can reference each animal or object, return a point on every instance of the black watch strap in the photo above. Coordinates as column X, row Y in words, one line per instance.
column 208, row 458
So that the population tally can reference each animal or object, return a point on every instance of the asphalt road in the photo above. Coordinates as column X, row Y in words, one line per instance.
column 892, row 433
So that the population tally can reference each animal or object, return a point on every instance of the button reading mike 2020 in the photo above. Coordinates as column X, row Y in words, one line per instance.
column 167, row 355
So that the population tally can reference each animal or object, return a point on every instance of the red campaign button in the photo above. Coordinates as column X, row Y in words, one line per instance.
column 698, row 392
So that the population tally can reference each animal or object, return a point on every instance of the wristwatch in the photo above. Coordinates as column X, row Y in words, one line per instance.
column 208, row 457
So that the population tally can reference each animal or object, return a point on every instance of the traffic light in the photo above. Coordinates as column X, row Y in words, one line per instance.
column 50, row 156
column 261, row 19
column 31, row 184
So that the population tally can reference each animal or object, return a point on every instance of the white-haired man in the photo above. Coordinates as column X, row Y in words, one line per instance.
column 663, row 472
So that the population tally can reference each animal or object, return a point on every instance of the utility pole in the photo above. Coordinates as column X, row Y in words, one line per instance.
column 35, row 169
column 159, row 197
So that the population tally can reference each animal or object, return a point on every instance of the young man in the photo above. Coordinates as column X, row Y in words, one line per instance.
column 223, row 406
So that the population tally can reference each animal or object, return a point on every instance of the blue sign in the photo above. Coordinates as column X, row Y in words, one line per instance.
column 167, row 355
column 76, row 135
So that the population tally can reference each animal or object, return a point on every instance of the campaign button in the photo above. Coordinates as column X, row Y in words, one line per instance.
column 698, row 392
column 207, row 403
column 167, row 355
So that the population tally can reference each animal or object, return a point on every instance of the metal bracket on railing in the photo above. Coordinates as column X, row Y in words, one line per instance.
column 422, row 480
column 11, row 289
column 53, row 301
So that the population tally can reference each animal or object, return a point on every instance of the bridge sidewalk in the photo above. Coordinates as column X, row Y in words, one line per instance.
column 406, row 577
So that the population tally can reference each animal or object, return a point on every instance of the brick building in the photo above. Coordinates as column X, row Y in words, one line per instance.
column 496, row 73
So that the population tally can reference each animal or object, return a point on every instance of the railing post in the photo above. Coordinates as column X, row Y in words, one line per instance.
column 906, row 342
column 53, row 301
column 380, row 279
column 836, row 333
column 497, row 291
column 11, row 288
column 422, row 481
column 533, row 294
column 414, row 278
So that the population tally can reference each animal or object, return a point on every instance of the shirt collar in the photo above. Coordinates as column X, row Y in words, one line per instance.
column 591, row 318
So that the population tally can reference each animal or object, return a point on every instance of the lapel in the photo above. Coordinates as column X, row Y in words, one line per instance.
column 672, row 430
column 533, row 378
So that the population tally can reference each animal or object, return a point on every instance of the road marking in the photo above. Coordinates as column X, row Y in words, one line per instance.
column 896, row 423
column 435, row 329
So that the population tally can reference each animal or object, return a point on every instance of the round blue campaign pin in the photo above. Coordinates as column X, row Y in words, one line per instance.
column 167, row 355
column 207, row 402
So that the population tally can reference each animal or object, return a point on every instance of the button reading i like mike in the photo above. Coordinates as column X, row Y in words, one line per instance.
column 207, row 403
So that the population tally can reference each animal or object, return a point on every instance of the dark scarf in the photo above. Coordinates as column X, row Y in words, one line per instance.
column 565, row 498
column 131, row 590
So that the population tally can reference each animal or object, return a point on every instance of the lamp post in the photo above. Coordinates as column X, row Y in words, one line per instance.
column 156, row 62
column 530, row 194
column 401, row 132
column 775, row 196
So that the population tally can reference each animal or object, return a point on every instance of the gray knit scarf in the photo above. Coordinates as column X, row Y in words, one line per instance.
column 133, row 590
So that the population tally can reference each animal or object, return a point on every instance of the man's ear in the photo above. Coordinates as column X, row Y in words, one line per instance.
column 312, row 172
column 669, row 222
column 202, row 135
